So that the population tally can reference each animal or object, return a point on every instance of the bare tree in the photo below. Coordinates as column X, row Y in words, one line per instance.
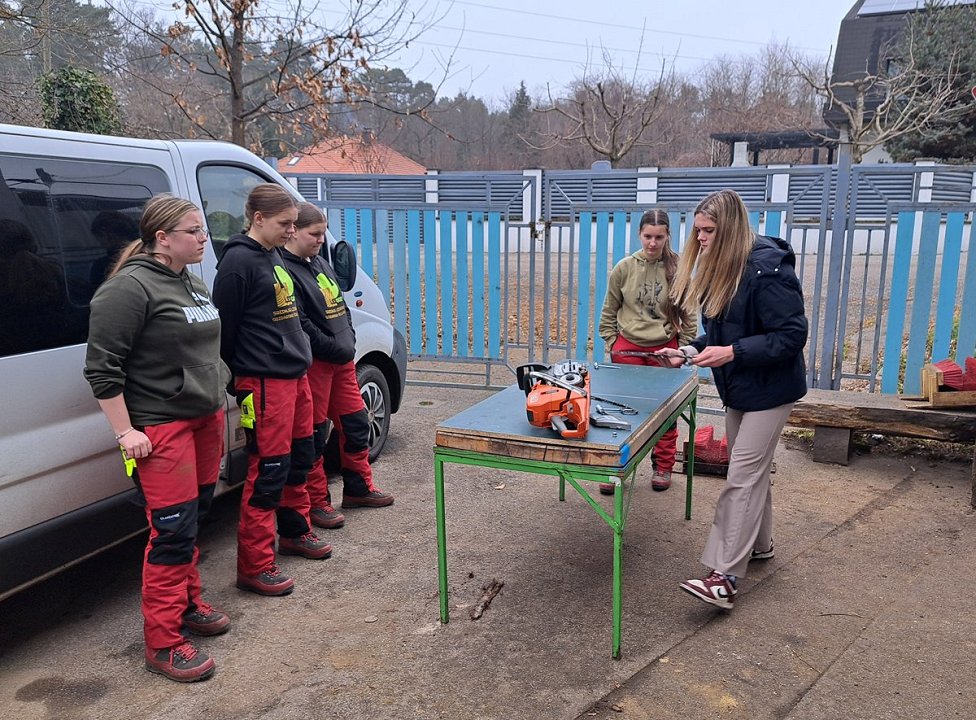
column 879, row 106
column 276, row 70
column 607, row 111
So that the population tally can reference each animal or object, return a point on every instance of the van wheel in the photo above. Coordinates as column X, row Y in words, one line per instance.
column 376, row 396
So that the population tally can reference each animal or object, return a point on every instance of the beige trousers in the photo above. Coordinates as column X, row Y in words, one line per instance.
column 744, row 513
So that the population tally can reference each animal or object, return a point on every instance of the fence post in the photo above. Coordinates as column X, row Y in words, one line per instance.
column 431, row 188
column 832, row 344
column 647, row 186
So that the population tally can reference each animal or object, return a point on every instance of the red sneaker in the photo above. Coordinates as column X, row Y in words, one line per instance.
column 660, row 480
column 716, row 590
column 308, row 546
column 327, row 517
column 203, row 619
column 183, row 663
column 271, row 582
column 374, row 498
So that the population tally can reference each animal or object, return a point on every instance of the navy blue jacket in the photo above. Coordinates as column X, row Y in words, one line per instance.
column 767, row 329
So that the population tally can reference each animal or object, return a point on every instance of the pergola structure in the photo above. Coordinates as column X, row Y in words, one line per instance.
column 782, row 140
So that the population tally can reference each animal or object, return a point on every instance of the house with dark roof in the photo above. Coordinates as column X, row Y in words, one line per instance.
column 359, row 154
column 867, row 35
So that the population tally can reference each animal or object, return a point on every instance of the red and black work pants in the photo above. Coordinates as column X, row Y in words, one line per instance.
column 665, row 451
column 336, row 398
column 177, row 480
column 281, row 451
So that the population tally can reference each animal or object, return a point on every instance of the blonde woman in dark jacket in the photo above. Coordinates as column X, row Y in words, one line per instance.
column 755, row 331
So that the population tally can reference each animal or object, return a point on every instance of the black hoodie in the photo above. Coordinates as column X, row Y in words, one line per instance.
column 324, row 314
column 766, row 326
column 260, row 332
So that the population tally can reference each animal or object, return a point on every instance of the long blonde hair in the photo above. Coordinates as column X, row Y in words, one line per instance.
column 710, row 281
column 161, row 212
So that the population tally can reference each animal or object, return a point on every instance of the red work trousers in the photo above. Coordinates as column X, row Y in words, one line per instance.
column 283, row 415
column 336, row 396
column 667, row 447
column 183, row 465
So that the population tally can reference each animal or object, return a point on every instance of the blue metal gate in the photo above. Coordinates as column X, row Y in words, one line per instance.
column 503, row 268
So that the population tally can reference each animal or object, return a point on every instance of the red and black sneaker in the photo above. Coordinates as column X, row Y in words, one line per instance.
column 308, row 546
column 327, row 517
column 203, row 619
column 660, row 480
column 183, row 663
column 716, row 590
column 374, row 498
column 271, row 582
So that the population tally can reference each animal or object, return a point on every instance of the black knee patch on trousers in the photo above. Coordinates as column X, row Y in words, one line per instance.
column 272, row 474
column 355, row 427
column 302, row 457
column 320, row 437
column 176, row 528
column 204, row 501
column 291, row 523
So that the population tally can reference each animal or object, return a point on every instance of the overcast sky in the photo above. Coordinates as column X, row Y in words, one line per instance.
column 500, row 42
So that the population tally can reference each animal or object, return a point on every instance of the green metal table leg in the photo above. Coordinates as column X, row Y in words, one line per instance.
column 562, row 489
column 441, row 536
column 618, row 544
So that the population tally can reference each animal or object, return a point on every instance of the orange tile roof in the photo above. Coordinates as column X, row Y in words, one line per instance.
column 347, row 154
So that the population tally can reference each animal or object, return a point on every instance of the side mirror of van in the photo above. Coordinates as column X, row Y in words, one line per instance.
column 344, row 264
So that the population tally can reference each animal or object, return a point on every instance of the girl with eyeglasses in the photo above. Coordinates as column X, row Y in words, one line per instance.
column 153, row 362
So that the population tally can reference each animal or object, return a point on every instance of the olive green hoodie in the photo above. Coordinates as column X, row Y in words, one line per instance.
column 154, row 336
column 634, row 306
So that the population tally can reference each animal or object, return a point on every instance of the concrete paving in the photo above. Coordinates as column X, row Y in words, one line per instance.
column 863, row 613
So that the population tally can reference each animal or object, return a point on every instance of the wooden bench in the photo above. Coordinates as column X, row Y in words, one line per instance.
column 835, row 414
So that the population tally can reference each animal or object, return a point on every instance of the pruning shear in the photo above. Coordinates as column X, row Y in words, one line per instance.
column 664, row 360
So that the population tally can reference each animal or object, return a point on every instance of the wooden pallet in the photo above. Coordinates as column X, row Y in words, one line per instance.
column 934, row 397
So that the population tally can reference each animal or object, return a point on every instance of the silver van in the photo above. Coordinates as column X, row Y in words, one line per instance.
column 68, row 203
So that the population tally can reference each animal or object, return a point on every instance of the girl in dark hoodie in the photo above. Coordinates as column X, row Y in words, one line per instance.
column 755, row 330
column 153, row 363
column 335, row 390
column 263, row 343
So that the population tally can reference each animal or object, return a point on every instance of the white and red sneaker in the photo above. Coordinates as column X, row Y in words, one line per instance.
column 716, row 590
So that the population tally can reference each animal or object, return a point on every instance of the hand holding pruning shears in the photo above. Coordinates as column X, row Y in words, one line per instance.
column 711, row 356
column 671, row 357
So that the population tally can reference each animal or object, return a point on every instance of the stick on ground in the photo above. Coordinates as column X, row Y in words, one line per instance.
column 487, row 595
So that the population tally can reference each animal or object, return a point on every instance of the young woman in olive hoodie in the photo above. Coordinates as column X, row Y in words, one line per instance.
column 638, row 318
column 263, row 343
column 153, row 363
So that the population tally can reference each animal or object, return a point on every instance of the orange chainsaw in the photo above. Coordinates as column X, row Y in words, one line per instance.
column 557, row 396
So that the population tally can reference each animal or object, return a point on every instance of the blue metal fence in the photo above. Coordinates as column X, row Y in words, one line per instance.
column 478, row 266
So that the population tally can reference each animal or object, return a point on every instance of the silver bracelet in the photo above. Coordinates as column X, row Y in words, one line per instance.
column 123, row 433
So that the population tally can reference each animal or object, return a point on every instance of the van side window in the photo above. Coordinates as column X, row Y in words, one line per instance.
column 224, row 190
column 62, row 224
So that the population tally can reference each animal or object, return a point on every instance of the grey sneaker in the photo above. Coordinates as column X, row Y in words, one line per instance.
column 206, row 620
column 308, row 546
column 271, row 582
column 327, row 517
